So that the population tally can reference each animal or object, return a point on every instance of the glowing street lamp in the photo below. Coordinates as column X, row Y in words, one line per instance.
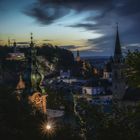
column 47, row 128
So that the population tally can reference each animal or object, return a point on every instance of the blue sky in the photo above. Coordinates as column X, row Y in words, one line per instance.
column 88, row 26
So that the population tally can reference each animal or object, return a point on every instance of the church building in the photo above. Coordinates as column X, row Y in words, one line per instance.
column 118, row 67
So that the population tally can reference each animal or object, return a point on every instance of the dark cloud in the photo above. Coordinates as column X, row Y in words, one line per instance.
column 109, row 12
column 126, row 12
column 48, row 11
column 98, row 28
column 46, row 14
column 88, row 26
column 104, row 44
column 103, row 41
column 128, row 7
column 78, row 4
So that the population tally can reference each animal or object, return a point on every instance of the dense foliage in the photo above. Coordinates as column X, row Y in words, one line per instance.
column 122, row 124
column 17, row 119
column 61, row 57
column 20, row 120
column 133, row 70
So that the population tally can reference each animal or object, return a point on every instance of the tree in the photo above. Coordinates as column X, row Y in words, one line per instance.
column 133, row 69
column 18, row 120
column 120, row 124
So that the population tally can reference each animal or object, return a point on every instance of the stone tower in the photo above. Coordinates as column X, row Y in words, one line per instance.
column 118, row 66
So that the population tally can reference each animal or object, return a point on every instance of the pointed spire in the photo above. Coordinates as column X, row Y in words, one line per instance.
column 117, row 52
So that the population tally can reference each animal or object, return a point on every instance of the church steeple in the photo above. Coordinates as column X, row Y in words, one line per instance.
column 32, row 74
column 118, row 67
column 117, row 51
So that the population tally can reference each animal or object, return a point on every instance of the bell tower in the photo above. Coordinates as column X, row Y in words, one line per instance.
column 118, row 66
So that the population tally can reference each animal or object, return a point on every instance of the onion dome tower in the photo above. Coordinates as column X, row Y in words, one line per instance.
column 33, row 79
column 32, row 76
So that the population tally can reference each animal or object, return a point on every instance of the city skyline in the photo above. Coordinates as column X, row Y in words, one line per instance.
column 87, row 26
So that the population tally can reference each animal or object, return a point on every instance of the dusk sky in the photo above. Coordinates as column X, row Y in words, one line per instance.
column 86, row 25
